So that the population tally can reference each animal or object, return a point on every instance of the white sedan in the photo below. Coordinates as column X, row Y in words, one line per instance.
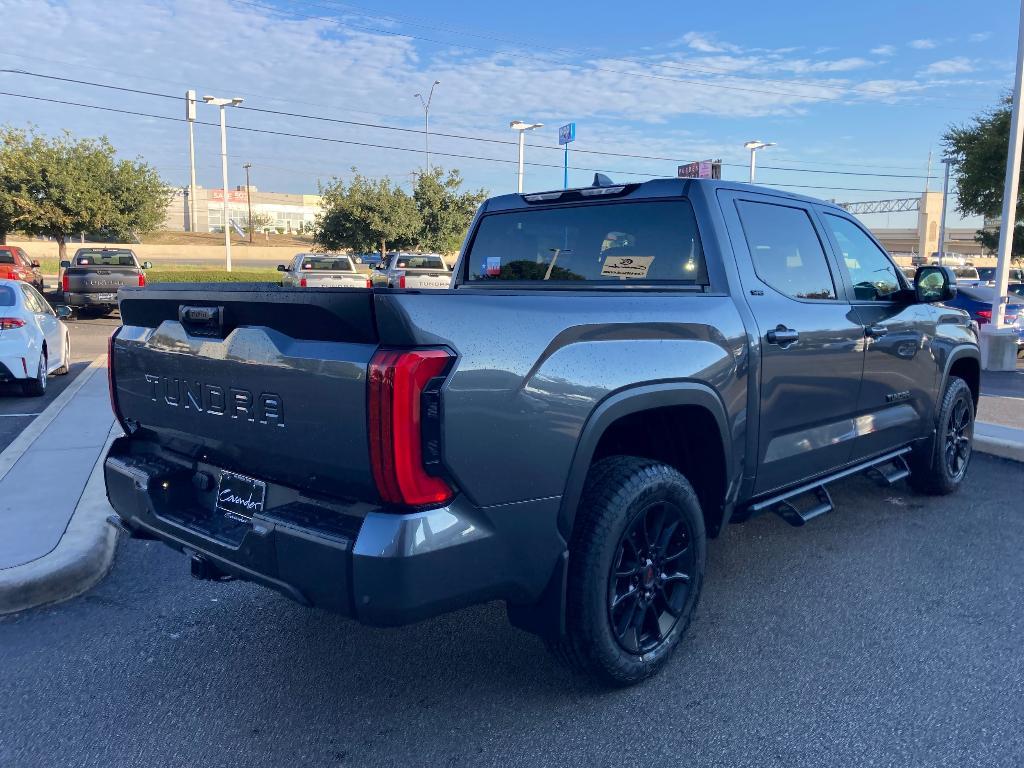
column 34, row 342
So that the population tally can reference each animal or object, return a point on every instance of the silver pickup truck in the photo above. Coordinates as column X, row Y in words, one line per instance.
column 412, row 270
column 322, row 270
column 92, row 277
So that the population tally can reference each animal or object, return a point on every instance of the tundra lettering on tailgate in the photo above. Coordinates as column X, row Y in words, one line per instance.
column 216, row 400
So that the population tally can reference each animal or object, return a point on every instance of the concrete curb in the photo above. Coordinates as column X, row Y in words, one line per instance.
column 81, row 558
column 994, row 446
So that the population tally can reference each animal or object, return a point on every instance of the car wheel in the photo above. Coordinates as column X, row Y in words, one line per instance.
column 37, row 387
column 636, row 566
column 939, row 466
column 66, row 365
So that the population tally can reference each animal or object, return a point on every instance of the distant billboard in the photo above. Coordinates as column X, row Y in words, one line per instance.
column 567, row 133
column 702, row 169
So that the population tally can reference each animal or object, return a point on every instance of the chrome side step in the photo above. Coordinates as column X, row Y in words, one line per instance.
column 888, row 468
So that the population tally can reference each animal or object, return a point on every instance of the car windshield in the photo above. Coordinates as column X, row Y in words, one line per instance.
column 327, row 264
column 421, row 262
column 6, row 295
column 106, row 258
column 613, row 243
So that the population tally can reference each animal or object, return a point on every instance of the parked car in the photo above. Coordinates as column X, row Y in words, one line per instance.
column 988, row 274
column 412, row 270
column 616, row 374
column 91, row 279
column 977, row 301
column 370, row 259
column 320, row 270
column 34, row 342
column 966, row 275
column 16, row 265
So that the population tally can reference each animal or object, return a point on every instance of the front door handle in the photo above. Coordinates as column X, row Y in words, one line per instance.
column 875, row 331
column 783, row 336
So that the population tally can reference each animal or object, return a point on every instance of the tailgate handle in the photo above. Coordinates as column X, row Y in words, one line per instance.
column 202, row 321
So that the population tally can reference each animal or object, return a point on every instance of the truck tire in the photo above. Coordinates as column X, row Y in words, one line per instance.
column 938, row 467
column 636, row 566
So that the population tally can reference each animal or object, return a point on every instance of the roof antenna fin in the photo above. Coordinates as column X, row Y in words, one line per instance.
column 600, row 180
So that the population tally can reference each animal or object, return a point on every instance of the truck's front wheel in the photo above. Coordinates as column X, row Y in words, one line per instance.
column 939, row 466
column 636, row 566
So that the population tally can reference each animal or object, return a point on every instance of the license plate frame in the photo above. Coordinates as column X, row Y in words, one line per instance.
column 239, row 497
column 106, row 296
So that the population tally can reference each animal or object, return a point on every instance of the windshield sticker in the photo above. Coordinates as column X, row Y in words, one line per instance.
column 626, row 266
column 493, row 266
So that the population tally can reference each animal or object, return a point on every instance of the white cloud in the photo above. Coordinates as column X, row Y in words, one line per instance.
column 954, row 66
column 979, row 37
column 884, row 50
column 705, row 43
column 923, row 44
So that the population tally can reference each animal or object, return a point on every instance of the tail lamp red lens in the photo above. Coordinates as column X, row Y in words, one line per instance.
column 65, row 283
column 984, row 316
column 142, row 280
column 369, row 283
column 401, row 281
column 10, row 323
column 397, row 381
column 302, row 282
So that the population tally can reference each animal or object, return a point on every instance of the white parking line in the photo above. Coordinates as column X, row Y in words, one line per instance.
column 18, row 414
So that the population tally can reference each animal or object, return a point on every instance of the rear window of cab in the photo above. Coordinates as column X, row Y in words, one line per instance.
column 107, row 258
column 327, row 264
column 621, row 243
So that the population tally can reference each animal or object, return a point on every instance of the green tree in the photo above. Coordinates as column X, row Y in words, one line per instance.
column 260, row 221
column 59, row 186
column 445, row 210
column 366, row 214
column 978, row 152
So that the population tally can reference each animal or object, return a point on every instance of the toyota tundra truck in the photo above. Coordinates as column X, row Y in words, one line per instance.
column 614, row 375
column 92, row 278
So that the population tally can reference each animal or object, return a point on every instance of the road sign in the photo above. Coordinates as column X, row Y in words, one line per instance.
column 704, row 169
column 567, row 133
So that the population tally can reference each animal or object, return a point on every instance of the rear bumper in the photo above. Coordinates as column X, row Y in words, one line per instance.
column 376, row 566
column 89, row 299
column 11, row 369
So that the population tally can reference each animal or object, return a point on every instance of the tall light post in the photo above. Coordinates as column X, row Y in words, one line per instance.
column 519, row 125
column 426, row 119
column 224, row 166
column 942, row 218
column 753, row 146
column 248, row 198
column 190, row 118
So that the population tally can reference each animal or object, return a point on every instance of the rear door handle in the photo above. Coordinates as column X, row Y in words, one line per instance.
column 875, row 331
column 783, row 336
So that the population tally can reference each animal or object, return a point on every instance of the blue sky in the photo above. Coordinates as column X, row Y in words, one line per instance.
column 864, row 88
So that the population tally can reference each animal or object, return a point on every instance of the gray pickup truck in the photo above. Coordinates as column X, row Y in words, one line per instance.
column 411, row 270
column 616, row 373
column 92, row 278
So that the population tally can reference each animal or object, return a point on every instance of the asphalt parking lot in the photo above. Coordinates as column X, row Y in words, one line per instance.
column 88, row 340
column 886, row 633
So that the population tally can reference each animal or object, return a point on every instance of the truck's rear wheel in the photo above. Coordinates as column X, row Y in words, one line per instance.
column 939, row 466
column 636, row 566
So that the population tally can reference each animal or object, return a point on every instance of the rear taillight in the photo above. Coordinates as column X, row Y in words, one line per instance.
column 112, row 384
column 404, row 423
column 142, row 280
column 401, row 281
column 369, row 283
column 302, row 282
column 984, row 316
column 65, row 283
column 9, row 323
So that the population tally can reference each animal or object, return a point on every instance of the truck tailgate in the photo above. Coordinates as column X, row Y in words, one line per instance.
column 425, row 278
column 101, row 279
column 264, row 381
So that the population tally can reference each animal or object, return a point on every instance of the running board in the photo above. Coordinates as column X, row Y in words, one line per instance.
column 888, row 468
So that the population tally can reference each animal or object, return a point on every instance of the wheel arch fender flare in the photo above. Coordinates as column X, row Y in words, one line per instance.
column 634, row 400
column 964, row 351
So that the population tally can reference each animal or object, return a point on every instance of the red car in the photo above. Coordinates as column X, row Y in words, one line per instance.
column 16, row 265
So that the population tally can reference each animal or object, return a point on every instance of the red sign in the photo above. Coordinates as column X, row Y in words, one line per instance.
column 234, row 196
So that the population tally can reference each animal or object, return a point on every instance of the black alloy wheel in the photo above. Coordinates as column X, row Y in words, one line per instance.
column 959, row 431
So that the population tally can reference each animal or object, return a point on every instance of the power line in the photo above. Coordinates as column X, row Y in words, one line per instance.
column 332, row 140
column 462, row 137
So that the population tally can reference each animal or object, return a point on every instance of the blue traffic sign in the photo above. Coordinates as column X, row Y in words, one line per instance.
column 567, row 133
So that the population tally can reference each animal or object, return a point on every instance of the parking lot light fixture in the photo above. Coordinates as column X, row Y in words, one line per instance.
column 218, row 102
column 522, row 127
column 753, row 146
column 426, row 120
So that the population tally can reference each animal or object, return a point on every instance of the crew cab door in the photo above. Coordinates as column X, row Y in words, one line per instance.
column 810, row 338
column 901, row 376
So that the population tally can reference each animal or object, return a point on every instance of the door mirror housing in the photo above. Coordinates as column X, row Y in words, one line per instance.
column 933, row 284
column 35, row 265
column 65, row 264
column 63, row 311
column 147, row 265
column 282, row 268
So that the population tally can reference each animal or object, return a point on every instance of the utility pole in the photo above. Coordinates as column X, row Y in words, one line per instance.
column 234, row 102
column 190, row 117
column 248, row 198
column 942, row 220
column 426, row 119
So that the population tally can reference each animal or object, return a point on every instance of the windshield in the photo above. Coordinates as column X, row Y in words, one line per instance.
column 327, row 264
column 105, row 257
column 421, row 262
column 612, row 243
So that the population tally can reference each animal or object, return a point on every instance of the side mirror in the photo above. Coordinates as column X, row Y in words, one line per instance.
column 35, row 265
column 282, row 268
column 147, row 265
column 63, row 311
column 933, row 284
column 65, row 264
column 359, row 260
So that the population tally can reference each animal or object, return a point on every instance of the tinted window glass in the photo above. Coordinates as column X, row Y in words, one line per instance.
column 871, row 272
column 786, row 251
column 30, row 300
column 421, row 262
column 6, row 257
column 330, row 264
column 109, row 258
column 611, row 242
column 6, row 295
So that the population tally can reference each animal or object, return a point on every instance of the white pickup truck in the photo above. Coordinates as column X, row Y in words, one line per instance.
column 322, row 270
column 412, row 270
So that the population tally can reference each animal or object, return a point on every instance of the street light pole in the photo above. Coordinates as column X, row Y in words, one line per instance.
column 522, row 127
column 426, row 119
column 234, row 102
column 942, row 218
column 753, row 146
column 190, row 117
column 248, row 198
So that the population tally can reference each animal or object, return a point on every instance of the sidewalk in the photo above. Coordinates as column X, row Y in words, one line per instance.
column 55, row 543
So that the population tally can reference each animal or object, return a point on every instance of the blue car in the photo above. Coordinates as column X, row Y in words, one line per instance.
column 369, row 259
column 977, row 301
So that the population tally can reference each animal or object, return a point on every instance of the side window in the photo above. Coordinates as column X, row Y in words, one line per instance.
column 786, row 251
column 871, row 271
column 30, row 299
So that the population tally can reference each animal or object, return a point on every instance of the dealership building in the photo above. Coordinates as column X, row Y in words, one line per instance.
column 281, row 211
